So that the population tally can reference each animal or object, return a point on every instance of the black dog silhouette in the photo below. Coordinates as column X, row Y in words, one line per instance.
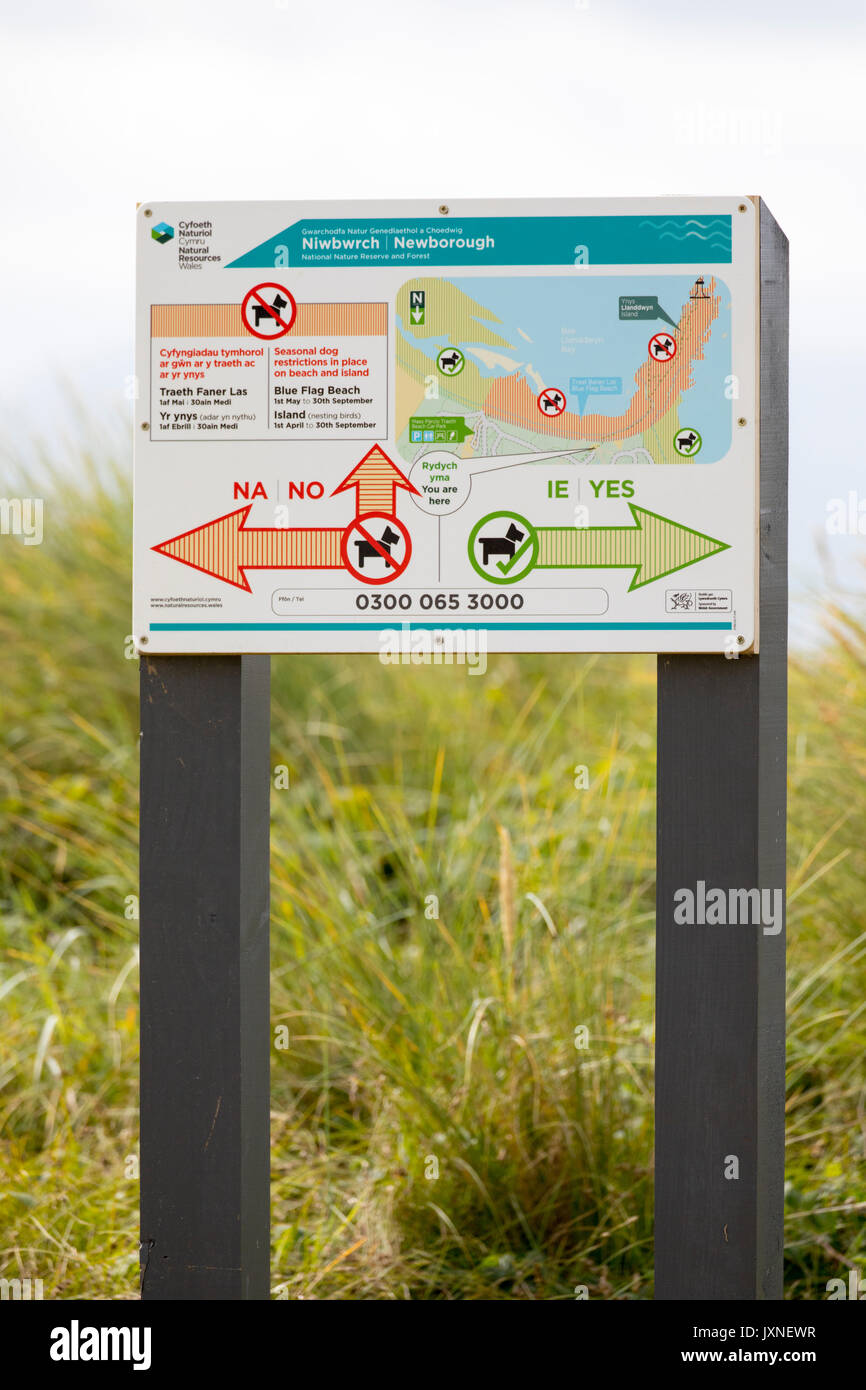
column 552, row 402
column 662, row 349
column 687, row 441
column 366, row 551
column 260, row 311
column 500, row 545
column 451, row 361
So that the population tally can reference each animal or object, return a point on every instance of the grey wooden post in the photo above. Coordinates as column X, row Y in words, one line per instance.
column 720, row 990
column 205, row 1032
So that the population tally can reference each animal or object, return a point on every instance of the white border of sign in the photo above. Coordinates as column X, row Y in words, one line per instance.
column 170, row 498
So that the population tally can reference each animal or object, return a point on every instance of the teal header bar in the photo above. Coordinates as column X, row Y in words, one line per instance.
column 470, row 241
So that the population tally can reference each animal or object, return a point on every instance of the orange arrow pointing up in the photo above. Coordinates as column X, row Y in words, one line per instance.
column 226, row 548
column 377, row 480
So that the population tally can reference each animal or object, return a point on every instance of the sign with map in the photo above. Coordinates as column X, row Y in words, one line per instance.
column 522, row 334
column 535, row 423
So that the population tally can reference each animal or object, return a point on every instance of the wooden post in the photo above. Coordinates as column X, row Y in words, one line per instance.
column 720, row 990
column 205, row 1030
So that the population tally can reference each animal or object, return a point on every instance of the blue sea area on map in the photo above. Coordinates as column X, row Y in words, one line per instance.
column 574, row 331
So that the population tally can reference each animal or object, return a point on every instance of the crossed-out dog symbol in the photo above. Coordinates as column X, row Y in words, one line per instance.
column 366, row 551
column 662, row 348
column 261, row 311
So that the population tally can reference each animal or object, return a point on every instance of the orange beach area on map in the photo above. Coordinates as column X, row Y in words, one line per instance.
column 658, row 385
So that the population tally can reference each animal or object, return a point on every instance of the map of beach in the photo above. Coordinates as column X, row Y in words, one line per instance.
column 613, row 368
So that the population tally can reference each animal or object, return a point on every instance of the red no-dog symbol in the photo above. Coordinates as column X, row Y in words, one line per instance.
column 269, row 306
column 375, row 542
column 551, row 401
column 662, row 347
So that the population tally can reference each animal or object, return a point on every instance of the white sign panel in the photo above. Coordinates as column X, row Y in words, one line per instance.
column 538, row 419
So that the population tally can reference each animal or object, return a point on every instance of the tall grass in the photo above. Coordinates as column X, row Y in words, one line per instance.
column 449, row 911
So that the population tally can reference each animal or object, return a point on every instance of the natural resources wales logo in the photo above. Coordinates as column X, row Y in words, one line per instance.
column 162, row 232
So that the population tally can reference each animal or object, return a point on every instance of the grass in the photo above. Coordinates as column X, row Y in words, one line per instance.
column 448, row 908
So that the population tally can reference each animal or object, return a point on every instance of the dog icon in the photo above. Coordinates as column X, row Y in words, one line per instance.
column 260, row 311
column 451, row 361
column 662, row 347
column 366, row 551
column 687, row 441
column 500, row 545
column 552, row 402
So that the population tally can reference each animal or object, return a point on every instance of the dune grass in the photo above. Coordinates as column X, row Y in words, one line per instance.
column 448, row 908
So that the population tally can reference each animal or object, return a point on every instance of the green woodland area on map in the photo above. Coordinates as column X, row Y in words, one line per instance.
column 463, row 878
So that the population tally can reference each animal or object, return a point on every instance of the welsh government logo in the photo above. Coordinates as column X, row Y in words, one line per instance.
column 162, row 232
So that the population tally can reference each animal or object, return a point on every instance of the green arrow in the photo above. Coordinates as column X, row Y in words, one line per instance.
column 654, row 547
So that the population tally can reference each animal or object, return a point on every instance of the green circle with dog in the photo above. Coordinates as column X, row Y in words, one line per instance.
column 450, row 361
column 503, row 547
column 687, row 442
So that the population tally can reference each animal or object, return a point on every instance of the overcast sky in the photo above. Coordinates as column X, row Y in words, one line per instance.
column 107, row 104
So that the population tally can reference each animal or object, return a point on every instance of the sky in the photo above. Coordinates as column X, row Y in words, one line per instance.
column 105, row 105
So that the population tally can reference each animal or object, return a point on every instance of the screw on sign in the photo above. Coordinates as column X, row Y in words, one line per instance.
column 551, row 401
column 376, row 548
column 268, row 310
column 662, row 347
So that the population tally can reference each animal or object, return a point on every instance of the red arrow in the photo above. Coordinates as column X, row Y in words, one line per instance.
column 377, row 480
column 227, row 548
